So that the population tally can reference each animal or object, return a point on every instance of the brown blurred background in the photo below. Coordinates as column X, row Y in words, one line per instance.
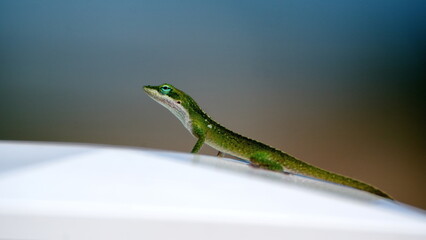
column 339, row 84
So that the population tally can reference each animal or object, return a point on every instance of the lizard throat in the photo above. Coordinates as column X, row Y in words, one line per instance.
column 177, row 109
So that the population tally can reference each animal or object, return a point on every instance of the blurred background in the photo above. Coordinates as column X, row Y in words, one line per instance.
column 339, row 84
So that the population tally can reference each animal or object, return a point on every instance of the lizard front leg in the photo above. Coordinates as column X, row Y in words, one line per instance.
column 201, row 135
column 198, row 145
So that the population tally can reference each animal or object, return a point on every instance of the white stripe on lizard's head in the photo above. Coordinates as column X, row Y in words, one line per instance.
column 173, row 99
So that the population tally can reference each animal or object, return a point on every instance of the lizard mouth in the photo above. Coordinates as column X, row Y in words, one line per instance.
column 147, row 89
column 154, row 94
column 151, row 92
column 174, row 106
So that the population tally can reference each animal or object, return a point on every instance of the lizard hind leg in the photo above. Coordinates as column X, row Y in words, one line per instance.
column 220, row 154
column 262, row 160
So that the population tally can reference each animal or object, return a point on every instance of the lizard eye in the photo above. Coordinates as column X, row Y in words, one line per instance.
column 165, row 89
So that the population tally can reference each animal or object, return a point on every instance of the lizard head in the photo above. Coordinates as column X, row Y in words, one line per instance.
column 165, row 94
column 175, row 100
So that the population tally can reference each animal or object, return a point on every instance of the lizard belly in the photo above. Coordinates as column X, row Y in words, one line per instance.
column 237, row 152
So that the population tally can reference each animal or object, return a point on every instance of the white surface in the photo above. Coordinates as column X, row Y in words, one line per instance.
column 52, row 191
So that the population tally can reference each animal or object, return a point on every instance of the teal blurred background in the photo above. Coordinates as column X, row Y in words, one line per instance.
column 339, row 84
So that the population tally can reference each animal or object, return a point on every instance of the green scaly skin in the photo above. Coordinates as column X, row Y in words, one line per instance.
column 206, row 130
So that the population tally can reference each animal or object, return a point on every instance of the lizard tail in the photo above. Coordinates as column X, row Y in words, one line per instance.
column 309, row 170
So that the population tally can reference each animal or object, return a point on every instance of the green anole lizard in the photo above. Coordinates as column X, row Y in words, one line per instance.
column 224, row 140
